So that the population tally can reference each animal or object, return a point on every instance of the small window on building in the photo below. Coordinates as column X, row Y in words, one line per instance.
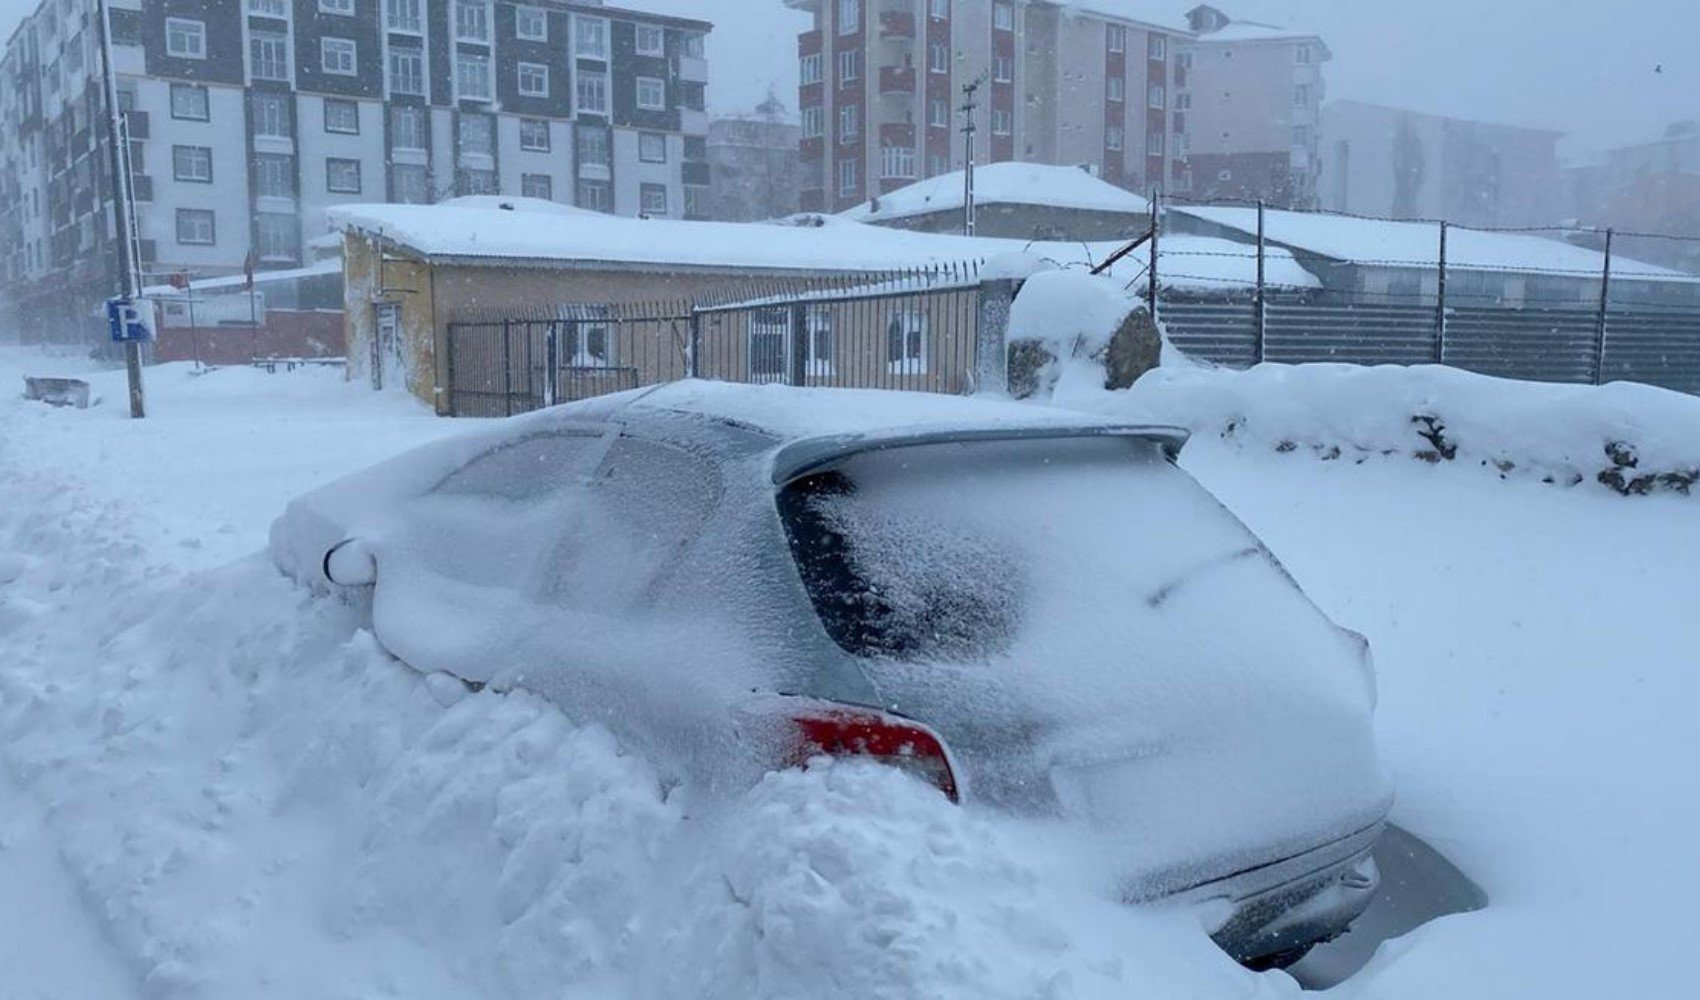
column 472, row 21
column 651, row 40
column 1117, row 88
column 343, row 7
column 651, row 93
column 1301, row 54
column 533, row 80
column 342, row 176
column 534, row 135
column 1158, row 48
column 906, row 342
column 653, row 199
column 849, row 123
column 849, row 178
column 478, row 181
column 404, row 15
column 1154, row 144
column 590, row 36
column 1113, row 137
column 472, row 76
column 652, row 147
column 1301, row 95
column 268, row 55
column 1156, row 98
column 1003, row 15
column 410, row 183
column 1116, row 35
column 938, row 113
column 272, row 117
column 592, row 93
column 277, row 237
column 849, row 67
column 338, row 56
column 593, row 145
column 939, row 9
column 596, row 196
column 810, row 68
column 938, row 58
column 537, row 186
column 814, row 122
column 691, row 45
column 196, row 227
column 849, row 16
column 1003, row 122
column 477, row 134
column 407, row 71
column 342, row 116
column 189, row 103
column 185, row 39
column 192, row 164
column 531, row 24
column 407, row 128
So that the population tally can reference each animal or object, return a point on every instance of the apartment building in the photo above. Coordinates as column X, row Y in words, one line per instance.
column 1253, row 108
column 1060, row 82
column 754, row 170
column 249, row 118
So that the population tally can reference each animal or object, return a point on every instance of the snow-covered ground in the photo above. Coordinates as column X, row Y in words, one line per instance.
column 212, row 786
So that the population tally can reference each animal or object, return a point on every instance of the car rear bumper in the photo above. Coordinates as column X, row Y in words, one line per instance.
column 1295, row 902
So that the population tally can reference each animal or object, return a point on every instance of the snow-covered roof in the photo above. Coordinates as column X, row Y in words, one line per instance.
column 1417, row 244
column 1008, row 183
column 1249, row 20
column 229, row 282
column 804, row 243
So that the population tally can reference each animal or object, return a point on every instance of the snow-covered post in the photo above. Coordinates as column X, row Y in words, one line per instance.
column 1440, row 308
column 1262, row 293
column 1156, row 231
column 693, row 363
column 799, row 354
column 1605, row 308
column 991, row 336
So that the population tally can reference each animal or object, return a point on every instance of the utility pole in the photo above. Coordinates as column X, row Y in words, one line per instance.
column 1440, row 302
column 129, row 269
column 1156, row 234
column 1262, row 294
column 1604, row 317
column 970, row 104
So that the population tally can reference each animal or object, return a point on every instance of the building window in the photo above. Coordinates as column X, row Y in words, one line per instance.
column 276, row 236
column 1118, row 88
column 1003, row 69
column 814, row 122
column 1301, row 95
column 477, row 135
column 472, row 21
column 269, row 8
column 692, row 45
column 1301, row 54
column 274, row 175
column 849, row 16
column 531, row 24
column 593, row 146
column 1003, row 15
column 534, row 135
column 404, row 15
column 590, row 36
column 189, row 103
column 407, row 128
column 1301, row 136
column 651, row 40
column 652, row 147
column 653, row 199
column 897, row 162
column 651, row 93
column 1158, row 48
column 1003, row 122
column 848, row 182
column 1183, row 60
column 1183, row 101
column 533, row 80
column 938, row 58
column 1113, row 137
column 338, row 56
column 1156, row 98
column 411, row 183
column 1116, row 34
column 849, row 123
column 906, row 342
column 342, row 176
column 938, row 113
column 342, row 116
column 810, row 68
column 478, row 182
column 537, row 186
column 195, row 227
column 1154, row 144
column 472, row 76
column 592, row 93
column 594, row 195
column 849, row 67
column 344, row 7
column 272, row 118
column 192, row 164
column 407, row 71
column 939, row 9
column 185, row 39
column 268, row 55
column 1180, row 146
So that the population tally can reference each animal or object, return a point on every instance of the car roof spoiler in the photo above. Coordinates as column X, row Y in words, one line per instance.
column 800, row 458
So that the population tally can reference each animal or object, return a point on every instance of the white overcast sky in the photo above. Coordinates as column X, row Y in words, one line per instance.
column 1606, row 72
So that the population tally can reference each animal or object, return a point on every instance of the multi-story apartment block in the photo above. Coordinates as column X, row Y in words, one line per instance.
column 753, row 166
column 1253, row 106
column 1060, row 82
column 248, row 118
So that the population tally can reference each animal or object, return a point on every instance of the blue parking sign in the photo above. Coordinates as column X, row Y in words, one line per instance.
column 129, row 321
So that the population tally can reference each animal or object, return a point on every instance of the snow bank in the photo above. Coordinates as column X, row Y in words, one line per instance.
column 1061, row 328
column 1628, row 437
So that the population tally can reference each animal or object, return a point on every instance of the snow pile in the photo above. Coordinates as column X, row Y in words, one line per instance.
column 1061, row 328
column 1629, row 437
column 1010, row 183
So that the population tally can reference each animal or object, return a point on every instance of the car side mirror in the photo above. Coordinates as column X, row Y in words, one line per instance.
column 351, row 563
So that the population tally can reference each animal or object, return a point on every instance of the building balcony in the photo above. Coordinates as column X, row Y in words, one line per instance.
column 138, row 123
column 897, row 79
column 897, row 24
column 693, row 69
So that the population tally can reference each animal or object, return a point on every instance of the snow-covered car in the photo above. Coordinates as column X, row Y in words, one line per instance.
column 1034, row 610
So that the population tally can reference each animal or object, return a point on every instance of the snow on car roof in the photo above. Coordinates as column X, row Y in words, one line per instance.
column 1011, row 183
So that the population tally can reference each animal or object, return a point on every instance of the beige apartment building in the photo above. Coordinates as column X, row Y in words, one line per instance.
column 882, row 84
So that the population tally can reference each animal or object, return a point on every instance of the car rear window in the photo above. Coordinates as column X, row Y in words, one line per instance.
column 954, row 552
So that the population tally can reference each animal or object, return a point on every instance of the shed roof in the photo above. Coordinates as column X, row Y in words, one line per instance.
column 1010, row 183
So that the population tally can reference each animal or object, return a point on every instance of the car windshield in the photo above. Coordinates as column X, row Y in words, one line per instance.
column 958, row 551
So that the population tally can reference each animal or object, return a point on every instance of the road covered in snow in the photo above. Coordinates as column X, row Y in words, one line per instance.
column 213, row 786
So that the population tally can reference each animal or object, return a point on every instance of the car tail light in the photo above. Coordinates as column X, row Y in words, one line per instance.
column 825, row 728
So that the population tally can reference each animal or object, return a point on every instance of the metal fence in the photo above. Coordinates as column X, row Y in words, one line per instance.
column 923, row 330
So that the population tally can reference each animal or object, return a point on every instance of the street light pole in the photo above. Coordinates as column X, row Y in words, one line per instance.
column 969, row 127
column 129, row 269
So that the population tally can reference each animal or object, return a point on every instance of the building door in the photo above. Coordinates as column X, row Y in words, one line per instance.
column 388, row 369
column 770, row 345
